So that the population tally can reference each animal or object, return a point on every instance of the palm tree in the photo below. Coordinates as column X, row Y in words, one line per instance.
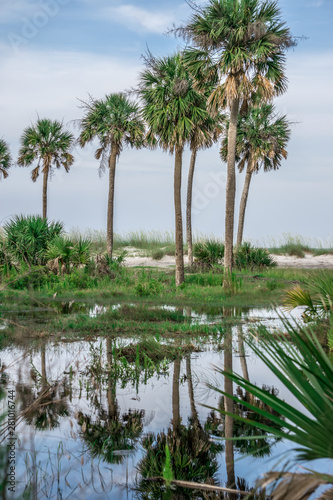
column 262, row 137
column 5, row 159
column 115, row 121
column 49, row 144
column 203, row 136
column 243, row 41
column 172, row 107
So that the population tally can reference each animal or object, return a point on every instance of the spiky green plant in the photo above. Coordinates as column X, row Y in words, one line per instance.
column 304, row 368
column 27, row 237
column 68, row 252
column 317, row 298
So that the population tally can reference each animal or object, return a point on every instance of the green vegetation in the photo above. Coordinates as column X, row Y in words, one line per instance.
column 306, row 371
column 5, row 159
column 26, row 239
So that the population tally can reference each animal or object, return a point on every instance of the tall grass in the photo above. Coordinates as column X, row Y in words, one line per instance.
column 298, row 245
column 160, row 243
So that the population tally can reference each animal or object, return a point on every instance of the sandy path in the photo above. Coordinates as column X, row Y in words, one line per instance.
column 308, row 262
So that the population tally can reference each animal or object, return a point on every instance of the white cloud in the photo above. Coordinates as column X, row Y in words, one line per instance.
column 140, row 19
column 49, row 83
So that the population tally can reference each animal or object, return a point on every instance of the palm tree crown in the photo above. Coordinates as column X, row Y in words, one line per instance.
column 5, row 159
column 112, row 120
column 243, row 42
column 172, row 106
column 262, row 138
column 49, row 144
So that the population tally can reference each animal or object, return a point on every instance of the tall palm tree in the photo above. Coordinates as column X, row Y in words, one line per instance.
column 243, row 41
column 203, row 136
column 262, row 137
column 171, row 107
column 116, row 122
column 5, row 159
column 48, row 143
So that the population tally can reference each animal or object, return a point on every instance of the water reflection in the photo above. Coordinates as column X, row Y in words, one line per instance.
column 106, row 409
column 193, row 454
column 42, row 404
column 111, row 434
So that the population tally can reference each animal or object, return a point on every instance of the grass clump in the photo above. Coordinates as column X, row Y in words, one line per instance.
column 248, row 257
column 208, row 252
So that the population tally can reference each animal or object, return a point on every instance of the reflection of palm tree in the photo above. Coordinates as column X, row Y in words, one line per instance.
column 231, row 428
column 43, row 411
column 192, row 453
column 111, row 435
column 229, row 408
column 175, row 396
column 194, row 412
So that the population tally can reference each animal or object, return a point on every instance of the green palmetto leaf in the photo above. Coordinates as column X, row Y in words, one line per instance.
column 298, row 297
column 317, row 298
column 28, row 237
column 303, row 367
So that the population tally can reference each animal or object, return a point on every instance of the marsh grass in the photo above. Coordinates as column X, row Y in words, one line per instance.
column 298, row 246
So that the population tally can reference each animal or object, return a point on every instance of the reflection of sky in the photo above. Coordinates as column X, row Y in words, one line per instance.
column 155, row 398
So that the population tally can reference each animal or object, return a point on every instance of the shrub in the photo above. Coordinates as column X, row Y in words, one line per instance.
column 28, row 237
column 209, row 252
column 77, row 280
column 158, row 254
column 147, row 285
column 68, row 252
column 248, row 257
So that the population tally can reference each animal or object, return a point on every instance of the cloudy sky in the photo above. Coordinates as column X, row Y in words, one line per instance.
column 54, row 52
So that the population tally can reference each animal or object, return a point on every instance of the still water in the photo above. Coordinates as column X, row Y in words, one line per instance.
column 91, row 424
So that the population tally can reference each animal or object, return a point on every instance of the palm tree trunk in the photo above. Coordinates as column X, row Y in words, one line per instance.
column 112, row 173
column 111, row 392
column 230, row 193
column 243, row 202
column 45, row 177
column 243, row 362
column 228, row 407
column 189, row 208
column 191, row 391
column 175, row 395
column 178, row 216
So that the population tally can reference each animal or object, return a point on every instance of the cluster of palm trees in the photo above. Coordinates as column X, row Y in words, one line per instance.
column 221, row 85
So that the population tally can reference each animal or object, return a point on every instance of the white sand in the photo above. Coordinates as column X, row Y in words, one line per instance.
column 308, row 262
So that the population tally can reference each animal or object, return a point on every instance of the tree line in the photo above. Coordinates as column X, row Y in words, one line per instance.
column 220, row 87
